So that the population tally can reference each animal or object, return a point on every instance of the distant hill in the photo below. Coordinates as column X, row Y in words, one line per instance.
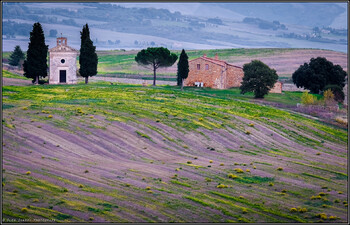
column 177, row 26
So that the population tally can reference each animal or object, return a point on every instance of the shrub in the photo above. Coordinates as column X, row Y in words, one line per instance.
column 86, row 171
column 271, row 184
column 318, row 153
column 200, row 119
column 322, row 216
column 340, row 192
column 333, row 217
column 251, row 124
column 210, row 161
column 293, row 210
column 24, row 108
column 149, row 191
column 230, row 175
column 185, row 146
column 341, row 120
column 91, row 218
column 222, row 186
column 28, row 173
column 302, row 210
column 337, row 91
column 322, row 194
column 65, row 190
column 247, row 132
column 308, row 99
column 241, row 197
column 24, row 210
column 221, row 164
column 238, row 170
column 244, row 210
column 148, row 188
column 81, row 186
column 336, row 201
column 254, row 167
column 283, row 190
column 279, row 168
column 49, row 116
column 247, row 170
column 36, row 200
column 189, row 162
column 208, row 179
column 127, row 185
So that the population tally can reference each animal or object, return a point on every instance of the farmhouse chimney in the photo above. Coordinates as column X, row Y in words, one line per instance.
column 216, row 56
column 62, row 41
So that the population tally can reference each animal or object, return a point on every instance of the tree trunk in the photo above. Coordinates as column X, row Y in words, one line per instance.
column 154, row 75
column 86, row 80
column 182, row 84
column 37, row 80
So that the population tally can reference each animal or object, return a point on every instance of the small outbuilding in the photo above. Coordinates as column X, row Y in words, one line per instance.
column 63, row 63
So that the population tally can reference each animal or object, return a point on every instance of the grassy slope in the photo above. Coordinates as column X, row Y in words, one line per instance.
column 130, row 153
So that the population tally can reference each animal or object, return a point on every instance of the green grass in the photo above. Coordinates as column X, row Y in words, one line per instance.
column 180, row 183
column 8, row 74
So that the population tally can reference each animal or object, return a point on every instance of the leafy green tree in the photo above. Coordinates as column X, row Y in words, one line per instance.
column 35, row 65
column 317, row 74
column 182, row 69
column 156, row 57
column 88, row 59
column 258, row 78
column 16, row 56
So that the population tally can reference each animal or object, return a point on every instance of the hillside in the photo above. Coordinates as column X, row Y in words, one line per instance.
column 127, row 153
column 120, row 27
column 284, row 61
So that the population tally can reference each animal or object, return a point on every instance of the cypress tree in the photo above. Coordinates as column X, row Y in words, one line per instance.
column 35, row 65
column 88, row 58
column 16, row 56
column 182, row 69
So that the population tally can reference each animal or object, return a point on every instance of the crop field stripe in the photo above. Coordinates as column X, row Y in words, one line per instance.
column 297, row 219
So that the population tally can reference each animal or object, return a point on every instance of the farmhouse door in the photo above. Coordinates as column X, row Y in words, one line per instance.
column 63, row 76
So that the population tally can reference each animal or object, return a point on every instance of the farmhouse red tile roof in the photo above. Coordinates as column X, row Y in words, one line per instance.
column 216, row 61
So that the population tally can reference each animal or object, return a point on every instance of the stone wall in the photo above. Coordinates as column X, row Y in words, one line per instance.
column 69, row 65
column 210, row 78
column 234, row 76
column 277, row 88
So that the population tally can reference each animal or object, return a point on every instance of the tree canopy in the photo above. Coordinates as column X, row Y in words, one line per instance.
column 182, row 68
column 258, row 78
column 35, row 65
column 156, row 57
column 16, row 56
column 317, row 74
column 88, row 59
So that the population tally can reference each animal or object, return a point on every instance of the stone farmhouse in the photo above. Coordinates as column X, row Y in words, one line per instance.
column 215, row 73
column 63, row 63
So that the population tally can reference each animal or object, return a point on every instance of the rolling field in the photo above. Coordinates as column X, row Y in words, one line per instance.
column 284, row 60
column 127, row 153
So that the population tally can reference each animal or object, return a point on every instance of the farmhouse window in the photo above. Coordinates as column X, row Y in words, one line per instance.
column 206, row 67
column 198, row 66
